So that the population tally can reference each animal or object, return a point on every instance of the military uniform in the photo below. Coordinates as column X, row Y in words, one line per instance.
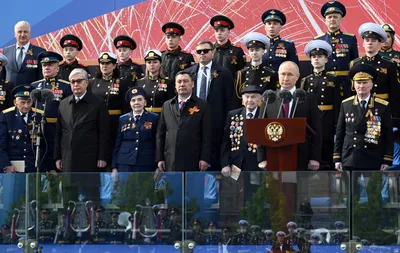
column 364, row 135
column 281, row 50
column 196, row 234
column 344, row 48
column 66, row 68
column 243, row 237
column 227, row 55
column 134, row 148
column 16, row 134
column 61, row 89
column 128, row 70
column 116, row 232
column 46, row 228
column 6, row 99
column 5, row 235
column 390, row 52
column 99, row 229
column 158, row 88
column 325, row 87
column 211, row 238
column 63, row 233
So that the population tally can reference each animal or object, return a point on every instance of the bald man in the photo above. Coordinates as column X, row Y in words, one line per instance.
column 23, row 66
column 309, row 152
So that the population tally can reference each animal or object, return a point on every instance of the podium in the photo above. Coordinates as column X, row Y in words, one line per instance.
column 280, row 136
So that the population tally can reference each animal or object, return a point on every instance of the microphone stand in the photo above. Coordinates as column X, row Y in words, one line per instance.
column 280, row 108
column 37, row 132
column 295, row 107
column 265, row 108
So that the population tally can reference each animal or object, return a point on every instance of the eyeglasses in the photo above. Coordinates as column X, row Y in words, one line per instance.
column 78, row 81
column 205, row 51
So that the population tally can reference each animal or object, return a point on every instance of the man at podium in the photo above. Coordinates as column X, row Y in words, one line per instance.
column 309, row 152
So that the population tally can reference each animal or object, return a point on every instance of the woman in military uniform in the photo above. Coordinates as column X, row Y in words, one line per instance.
column 6, row 99
column 387, row 47
column 109, row 87
column 158, row 88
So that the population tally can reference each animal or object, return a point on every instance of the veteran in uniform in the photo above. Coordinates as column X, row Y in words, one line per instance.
column 6, row 99
column 226, row 55
column 15, row 131
column 116, row 232
column 157, row 86
column 364, row 134
column 280, row 245
column 211, row 238
column 256, row 73
column 386, row 86
column 108, row 86
column 99, row 225
column 60, row 88
column 280, row 49
column 128, row 70
column 243, row 237
column 71, row 46
column 174, row 59
column 196, row 234
column 340, row 235
column 236, row 153
column 344, row 45
column 326, row 88
column 46, row 227
column 134, row 149
column 387, row 47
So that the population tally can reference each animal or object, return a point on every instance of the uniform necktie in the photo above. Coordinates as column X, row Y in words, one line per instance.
column 181, row 105
column 24, row 117
column 77, row 100
column 20, row 56
column 137, row 118
column 286, row 110
column 363, row 103
column 250, row 115
column 203, row 85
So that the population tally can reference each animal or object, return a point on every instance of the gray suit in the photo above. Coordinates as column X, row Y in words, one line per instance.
column 30, row 69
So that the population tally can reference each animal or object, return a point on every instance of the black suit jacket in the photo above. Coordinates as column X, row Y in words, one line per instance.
column 30, row 69
column 184, row 137
column 311, row 149
column 220, row 95
column 82, row 135
column 235, row 151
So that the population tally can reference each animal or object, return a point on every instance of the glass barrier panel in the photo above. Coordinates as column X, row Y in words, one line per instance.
column 14, row 216
column 267, row 211
column 106, row 212
column 376, row 211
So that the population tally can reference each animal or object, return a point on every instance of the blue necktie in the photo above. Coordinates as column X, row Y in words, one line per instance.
column 203, row 85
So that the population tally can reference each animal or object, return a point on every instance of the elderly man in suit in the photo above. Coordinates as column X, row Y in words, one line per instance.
column 82, row 138
column 23, row 65
column 309, row 152
column 215, row 85
column 184, row 134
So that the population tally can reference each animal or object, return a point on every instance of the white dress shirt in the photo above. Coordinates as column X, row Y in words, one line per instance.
column 80, row 98
column 367, row 99
column 23, row 50
column 252, row 112
column 291, row 102
column 180, row 100
column 200, row 76
column 25, row 118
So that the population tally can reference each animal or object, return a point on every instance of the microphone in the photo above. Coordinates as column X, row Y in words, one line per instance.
column 300, row 96
column 286, row 97
column 47, row 95
column 269, row 96
column 36, row 95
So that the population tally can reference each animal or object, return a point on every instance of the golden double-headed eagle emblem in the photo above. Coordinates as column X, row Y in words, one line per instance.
column 275, row 131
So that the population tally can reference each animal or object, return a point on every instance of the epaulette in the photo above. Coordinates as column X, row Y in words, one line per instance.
column 63, row 81
column 354, row 61
column 38, row 81
column 388, row 59
column 350, row 34
column 126, row 114
column 166, row 77
column 9, row 109
column 381, row 101
column 268, row 68
column 303, row 80
column 37, row 110
column 290, row 41
column 331, row 73
column 348, row 99
column 319, row 36
column 6, row 81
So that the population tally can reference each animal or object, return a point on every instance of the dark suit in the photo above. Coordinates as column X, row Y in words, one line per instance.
column 82, row 138
column 30, row 69
column 15, row 139
column 235, row 150
column 311, row 149
column 220, row 98
column 184, row 137
column 135, row 146
column 364, row 140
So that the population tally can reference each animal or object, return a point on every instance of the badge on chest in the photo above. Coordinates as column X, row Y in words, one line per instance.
column 128, row 126
column 349, row 117
column 58, row 94
column 236, row 131
column 373, row 130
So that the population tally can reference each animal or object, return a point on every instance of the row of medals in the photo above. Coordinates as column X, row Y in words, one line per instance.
column 236, row 132
column 373, row 131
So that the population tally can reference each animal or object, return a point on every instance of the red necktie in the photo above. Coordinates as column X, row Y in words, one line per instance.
column 286, row 110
